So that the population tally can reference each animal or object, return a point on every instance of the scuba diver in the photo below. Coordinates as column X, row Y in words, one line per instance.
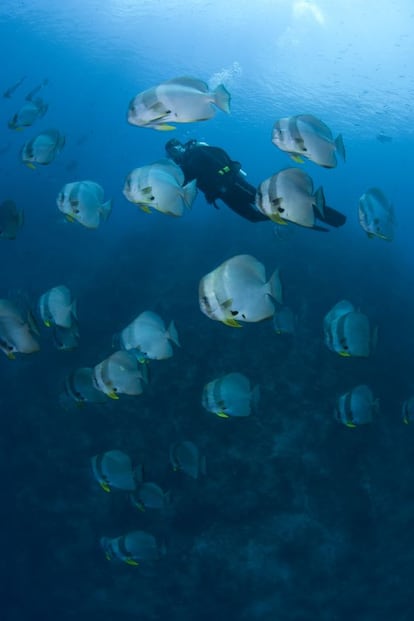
column 220, row 177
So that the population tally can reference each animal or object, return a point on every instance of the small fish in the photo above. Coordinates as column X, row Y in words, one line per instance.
column 9, row 92
column 305, row 136
column 181, row 100
column 185, row 456
column 230, row 396
column 83, row 202
column 288, row 196
column 408, row 411
column 57, row 307
column 148, row 335
column 113, row 469
column 30, row 96
column 17, row 330
column 160, row 186
column 11, row 220
column 121, row 373
column 381, row 137
column 43, row 148
column 66, row 339
column 348, row 332
column 376, row 214
column 238, row 291
column 28, row 114
column 79, row 387
column 357, row 407
column 132, row 548
column 149, row 496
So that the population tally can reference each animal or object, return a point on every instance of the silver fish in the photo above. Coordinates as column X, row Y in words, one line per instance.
column 305, row 136
column 28, row 114
column 113, row 469
column 79, row 387
column 348, row 332
column 186, row 456
column 160, row 186
column 357, row 407
column 238, row 291
column 66, row 339
column 132, row 548
column 288, row 196
column 230, row 395
column 148, row 335
column 16, row 330
column 83, row 202
column 43, row 148
column 58, row 307
column 149, row 496
column 376, row 214
column 120, row 374
column 181, row 100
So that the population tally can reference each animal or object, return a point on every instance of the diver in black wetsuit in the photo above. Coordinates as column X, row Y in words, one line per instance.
column 220, row 177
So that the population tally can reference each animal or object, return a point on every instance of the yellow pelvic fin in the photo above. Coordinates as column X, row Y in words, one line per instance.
column 130, row 561
column 297, row 158
column 350, row 425
column 277, row 219
column 105, row 486
column 69, row 218
column 108, row 557
column 222, row 415
column 11, row 356
column 232, row 323
column 144, row 208
column 405, row 420
column 30, row 165
column 47, row 323
column 112, row 395
column 344, row 354
column 164, row 127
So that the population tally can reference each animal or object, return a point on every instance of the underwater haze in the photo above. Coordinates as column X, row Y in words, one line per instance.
column 297, row 517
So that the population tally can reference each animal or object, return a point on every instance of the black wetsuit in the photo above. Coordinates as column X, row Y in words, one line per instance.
column 219, row 177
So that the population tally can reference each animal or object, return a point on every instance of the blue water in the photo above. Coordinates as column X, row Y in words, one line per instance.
column 298, row 519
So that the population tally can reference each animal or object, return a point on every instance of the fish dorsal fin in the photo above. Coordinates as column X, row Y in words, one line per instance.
column 187, row 81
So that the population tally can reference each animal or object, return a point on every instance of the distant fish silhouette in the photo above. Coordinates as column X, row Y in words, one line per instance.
column 30, row 96
column 383, row 138
column 9, row 92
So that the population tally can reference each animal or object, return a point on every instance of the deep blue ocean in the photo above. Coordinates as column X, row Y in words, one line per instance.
column 298, row 518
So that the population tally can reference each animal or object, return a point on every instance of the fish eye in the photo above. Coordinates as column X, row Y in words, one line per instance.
column 152, row 198
column 280, row 209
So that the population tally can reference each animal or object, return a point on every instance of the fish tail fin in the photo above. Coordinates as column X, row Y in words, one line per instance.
column 275, row 287
column 106, row 209
column 222, row 98
column 319, row 197
column 340, row 147
column 190, row 191
column 173, row 334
